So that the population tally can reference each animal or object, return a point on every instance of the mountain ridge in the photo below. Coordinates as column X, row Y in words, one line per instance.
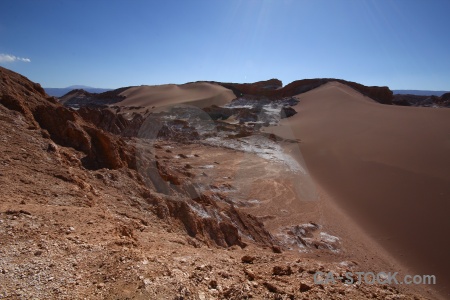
column 271, row 89
column 59, row 92
column 420, row 92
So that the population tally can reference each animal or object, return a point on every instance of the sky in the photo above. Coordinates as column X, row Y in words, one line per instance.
column 403, row 44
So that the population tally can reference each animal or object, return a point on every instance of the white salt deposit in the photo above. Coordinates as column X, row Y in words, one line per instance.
column 261, row 146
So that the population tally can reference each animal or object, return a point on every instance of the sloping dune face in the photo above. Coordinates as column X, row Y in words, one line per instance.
column 196, row 94
column 388, row 166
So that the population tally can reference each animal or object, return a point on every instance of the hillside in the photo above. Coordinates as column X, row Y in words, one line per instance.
column 185, row 207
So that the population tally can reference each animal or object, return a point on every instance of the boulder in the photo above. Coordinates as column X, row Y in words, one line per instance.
column 287, row 111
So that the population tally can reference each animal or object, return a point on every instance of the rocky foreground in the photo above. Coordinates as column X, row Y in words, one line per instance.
column 96, row 208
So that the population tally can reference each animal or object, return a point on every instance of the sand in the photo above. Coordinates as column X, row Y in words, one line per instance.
column 387, row 166
column 199, row 94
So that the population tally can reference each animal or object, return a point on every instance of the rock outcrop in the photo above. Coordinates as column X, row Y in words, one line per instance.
column 422, row 101
column 82, row 98
column 198, row 215
column 445, row 100
column 380, row 94
column 258, row 88
column 287, row 112
column 201, row 222
column 109, row 121
column 218, row 113
column 446, row 97
column 65, row 127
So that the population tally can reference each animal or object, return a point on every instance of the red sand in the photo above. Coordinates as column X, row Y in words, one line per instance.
column 388, row 166
column 199, row 94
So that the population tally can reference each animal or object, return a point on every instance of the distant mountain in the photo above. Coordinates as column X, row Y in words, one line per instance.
column 419, row 92
column 421, row 100
column 58, row 92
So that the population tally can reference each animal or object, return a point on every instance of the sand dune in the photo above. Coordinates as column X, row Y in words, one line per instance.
column 197, row 94
column 389, row 166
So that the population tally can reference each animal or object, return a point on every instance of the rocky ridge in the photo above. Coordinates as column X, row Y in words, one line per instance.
column 273, row 89
column 269, row 89
column 99, row 149
column 81, row 98
column 422, row 101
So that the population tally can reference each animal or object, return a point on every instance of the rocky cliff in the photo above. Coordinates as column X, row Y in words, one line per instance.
column 273, row 89
column 89, row 132
column 64, row 126
column 422, row 101
column 82, row 98
column 112, row 122
column 259, row 88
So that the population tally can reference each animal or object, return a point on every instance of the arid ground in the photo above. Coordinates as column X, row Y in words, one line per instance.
column 220, row 191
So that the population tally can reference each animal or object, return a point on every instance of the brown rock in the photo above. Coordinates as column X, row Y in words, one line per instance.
column 262, row 89
column 82, row 98
column 64, row 126
column 287, row 112
column 276, row 249
column 282, row 271
column 218, row 113
column 247, row 259
column 272, row 288
column 109, row 121
column 52, row 147
column 250, row 274
column 304, row 287
column 213, row 284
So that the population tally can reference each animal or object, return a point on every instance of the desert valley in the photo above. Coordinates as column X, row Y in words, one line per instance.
column 211, row 190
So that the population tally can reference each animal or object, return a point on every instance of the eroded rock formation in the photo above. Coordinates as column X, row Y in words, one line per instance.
column 379, row 94
column 63, row 125
column 109, row 121
column 81, row 131
column 423, row 101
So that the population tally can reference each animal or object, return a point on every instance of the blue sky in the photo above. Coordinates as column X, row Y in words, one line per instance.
column 404, row 44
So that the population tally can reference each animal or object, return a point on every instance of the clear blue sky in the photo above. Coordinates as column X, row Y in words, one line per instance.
column 404, row 44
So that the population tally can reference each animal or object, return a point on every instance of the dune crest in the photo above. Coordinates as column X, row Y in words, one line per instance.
column 197, row 94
